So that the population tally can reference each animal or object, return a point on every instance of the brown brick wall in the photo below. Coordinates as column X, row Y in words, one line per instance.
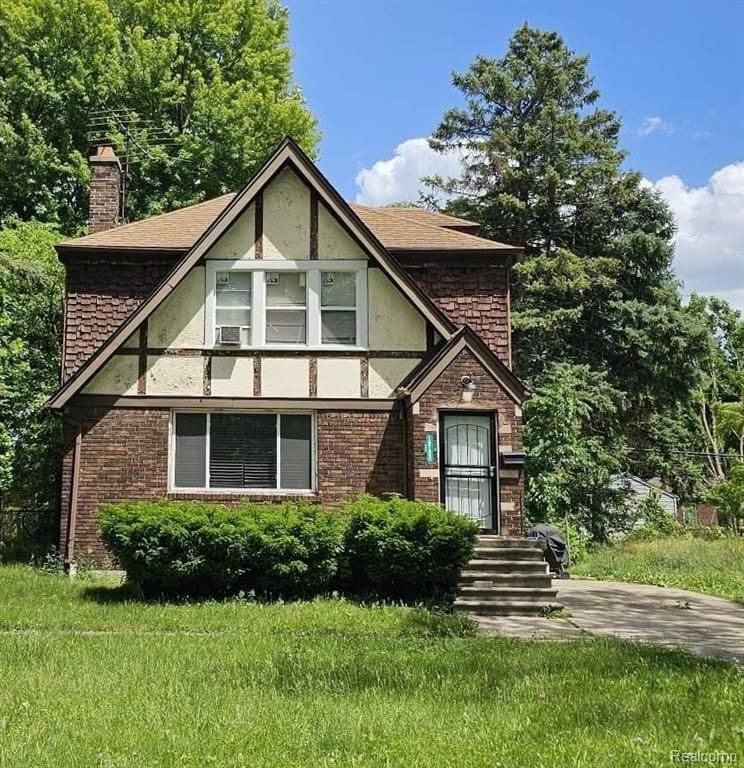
column 124, row 455
column 101, row 293
column 359, row 452
column 105, row 196
column 474, row 295
column 445, row 394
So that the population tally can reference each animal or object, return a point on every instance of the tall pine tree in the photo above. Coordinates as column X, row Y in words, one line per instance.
column 543, row 169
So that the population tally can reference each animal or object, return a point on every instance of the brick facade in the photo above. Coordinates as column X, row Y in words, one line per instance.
column 124, row 455
column 105, row 192
column 101, row 292
column 124, row 451
column 489, row 397
column 359, row 452
column 477, row 296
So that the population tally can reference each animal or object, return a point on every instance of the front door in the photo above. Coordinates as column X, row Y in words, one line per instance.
column 468, row 476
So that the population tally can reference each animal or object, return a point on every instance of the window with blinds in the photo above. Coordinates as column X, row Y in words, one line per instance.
column 261, row 451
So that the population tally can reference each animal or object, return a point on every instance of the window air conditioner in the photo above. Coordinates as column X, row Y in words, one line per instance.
column 229, row 335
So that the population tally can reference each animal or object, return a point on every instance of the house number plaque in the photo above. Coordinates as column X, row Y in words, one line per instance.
column 430, row 448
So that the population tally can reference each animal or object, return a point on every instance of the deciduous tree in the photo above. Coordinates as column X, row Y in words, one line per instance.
column 204, row 85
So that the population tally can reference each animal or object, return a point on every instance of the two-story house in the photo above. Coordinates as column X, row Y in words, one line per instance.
column 279, row 342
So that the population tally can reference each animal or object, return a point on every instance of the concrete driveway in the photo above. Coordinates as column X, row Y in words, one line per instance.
column 706, row 626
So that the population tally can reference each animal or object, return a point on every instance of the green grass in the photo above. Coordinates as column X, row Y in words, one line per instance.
column 713, row 567
column 87, row 679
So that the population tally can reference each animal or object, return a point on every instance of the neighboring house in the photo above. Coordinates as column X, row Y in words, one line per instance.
column 641, row 489
column 280, row 343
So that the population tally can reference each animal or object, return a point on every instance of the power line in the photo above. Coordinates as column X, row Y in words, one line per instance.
column 687, row 453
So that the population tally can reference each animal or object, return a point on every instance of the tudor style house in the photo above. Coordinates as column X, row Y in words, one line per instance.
column 280, row 343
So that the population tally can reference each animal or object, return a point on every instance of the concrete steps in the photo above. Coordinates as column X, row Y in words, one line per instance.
column 506, row 577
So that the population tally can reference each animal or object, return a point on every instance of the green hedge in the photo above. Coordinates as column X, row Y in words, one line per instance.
column 392, row 549
column 404, row 550
column 200, row 549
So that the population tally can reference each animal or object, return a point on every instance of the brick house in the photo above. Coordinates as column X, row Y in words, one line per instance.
column 281, row 343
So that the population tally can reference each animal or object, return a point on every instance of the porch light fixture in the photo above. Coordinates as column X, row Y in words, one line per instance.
column 468, row 387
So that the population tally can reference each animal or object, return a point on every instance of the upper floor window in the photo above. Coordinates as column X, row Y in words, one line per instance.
column 286, row 307
column 338, row 308
column 233, row 305
column 286, row 304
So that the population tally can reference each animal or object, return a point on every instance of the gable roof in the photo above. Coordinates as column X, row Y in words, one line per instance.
column 403, row 230
column 425, row 374
column 398, row 229
column 425, row 216
column 286, row 154
column 174, row 231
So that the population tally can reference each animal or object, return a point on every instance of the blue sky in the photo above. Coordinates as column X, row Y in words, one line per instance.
column 378, row 74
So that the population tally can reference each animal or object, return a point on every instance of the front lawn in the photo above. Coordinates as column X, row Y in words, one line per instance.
column 91, row 680
column 713, row 567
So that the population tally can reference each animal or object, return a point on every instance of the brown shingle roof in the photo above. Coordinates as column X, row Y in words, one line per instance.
column 404, row 229
column 424, row 216
column 178, row 229
column 398, row 229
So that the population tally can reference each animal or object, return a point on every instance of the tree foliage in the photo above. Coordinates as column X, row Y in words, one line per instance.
column 595, row 292
column 570, row 463
column 31, row 288
column 205, row 85
column 719, row 394
column 727, row 496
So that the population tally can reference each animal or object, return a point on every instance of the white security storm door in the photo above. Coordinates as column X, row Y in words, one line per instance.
column 468, row 466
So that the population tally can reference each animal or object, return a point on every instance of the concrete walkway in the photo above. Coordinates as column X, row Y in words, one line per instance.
column 706, row 626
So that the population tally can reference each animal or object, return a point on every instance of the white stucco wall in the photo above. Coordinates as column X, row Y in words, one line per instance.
column 179, row 320
column 286, row 218
column 386, row 373
column 118, row 377
column 171, row 375
column 333, row 240
column 232, row 376
column 394, row 323
column 239, row 241
column 339, row 377
column 285, row 377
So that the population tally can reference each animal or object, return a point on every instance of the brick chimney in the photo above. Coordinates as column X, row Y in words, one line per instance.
column 105, row 189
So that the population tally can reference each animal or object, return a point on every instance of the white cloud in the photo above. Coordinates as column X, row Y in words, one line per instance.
column 399, row 178
column 709, row 245
column 652, row 124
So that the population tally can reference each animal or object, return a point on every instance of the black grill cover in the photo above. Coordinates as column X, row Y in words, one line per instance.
column 553, row 544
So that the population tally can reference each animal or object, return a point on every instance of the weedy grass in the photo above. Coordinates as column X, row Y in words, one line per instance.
column 91, row 678
column 713, row 567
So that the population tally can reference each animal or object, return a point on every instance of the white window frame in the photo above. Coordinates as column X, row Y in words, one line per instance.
column 304, row 309
column 238, row 307
column 173, row 488
column 335, row 308
column 312, row 269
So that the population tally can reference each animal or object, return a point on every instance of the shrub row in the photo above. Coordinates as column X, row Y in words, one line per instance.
column 389, row 549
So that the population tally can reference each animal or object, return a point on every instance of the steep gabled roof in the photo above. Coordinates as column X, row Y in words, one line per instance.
column 286, row 154
column 425, row 216
column 438, row 219
column 174, row 231
column 425, row 374
column 403, row 231
column 398, row 229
